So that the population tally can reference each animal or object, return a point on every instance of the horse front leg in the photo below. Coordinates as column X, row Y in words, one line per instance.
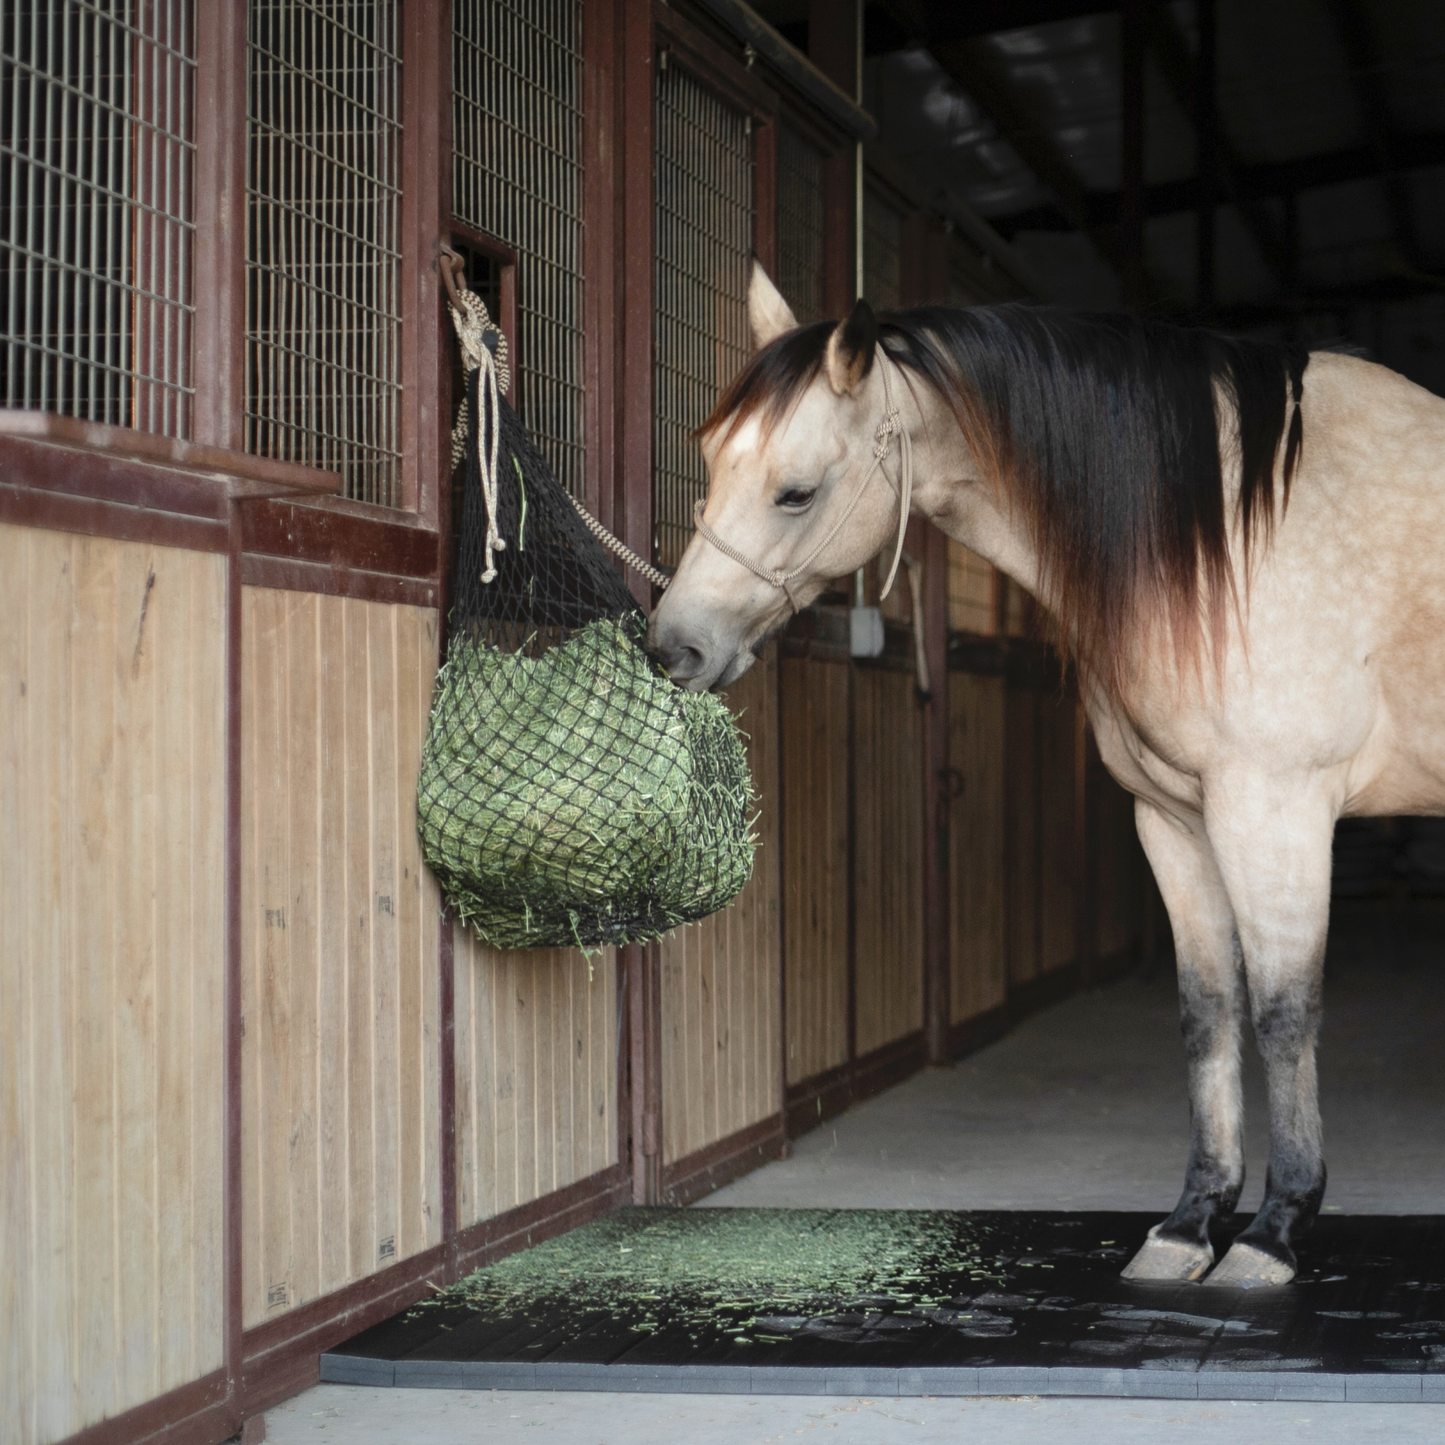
column 1211, row 1009
column 1273, row 845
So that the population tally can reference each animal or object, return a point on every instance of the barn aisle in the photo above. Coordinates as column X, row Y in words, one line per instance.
column 1084, row 1106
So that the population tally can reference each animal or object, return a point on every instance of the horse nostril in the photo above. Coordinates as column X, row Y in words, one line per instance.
column 681, row 663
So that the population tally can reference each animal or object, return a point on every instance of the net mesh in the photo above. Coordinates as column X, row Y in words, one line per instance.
column 569, row 793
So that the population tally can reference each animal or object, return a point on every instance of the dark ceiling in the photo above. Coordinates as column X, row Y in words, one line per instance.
column 1326, row 132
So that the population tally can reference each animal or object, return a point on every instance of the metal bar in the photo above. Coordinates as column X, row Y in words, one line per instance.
column 98, row 146
column 1206, row 146
column 1131, row 153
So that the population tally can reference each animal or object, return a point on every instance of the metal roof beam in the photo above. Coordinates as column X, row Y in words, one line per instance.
column 1365, row 60
column 1176, row 62
column 1251, row 183
column 1001, row 102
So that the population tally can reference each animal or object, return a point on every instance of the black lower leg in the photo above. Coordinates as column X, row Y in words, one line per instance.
column 1285, row 1027
column 1210, row 1020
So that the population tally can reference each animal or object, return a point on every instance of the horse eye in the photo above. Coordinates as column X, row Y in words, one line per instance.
column 796, row 498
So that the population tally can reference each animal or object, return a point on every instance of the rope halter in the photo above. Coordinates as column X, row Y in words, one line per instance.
column 890, row 426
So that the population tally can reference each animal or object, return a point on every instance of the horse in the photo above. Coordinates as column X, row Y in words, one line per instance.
column 1236, row 541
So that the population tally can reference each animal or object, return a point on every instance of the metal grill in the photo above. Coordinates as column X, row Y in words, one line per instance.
column 703, row 179
column 96, row 169
column 517, row 175
column 323, row 317
column 800, row 224
column 882, row 252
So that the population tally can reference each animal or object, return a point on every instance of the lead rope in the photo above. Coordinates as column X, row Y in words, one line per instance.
column 891, row 425
column 473, row 324
column 484, row 348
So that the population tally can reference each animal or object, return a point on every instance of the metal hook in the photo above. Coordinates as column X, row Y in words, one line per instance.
column 453, row 268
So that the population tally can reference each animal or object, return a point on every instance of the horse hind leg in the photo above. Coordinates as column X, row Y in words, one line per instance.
column 1280, row 892
column 1211, row 1000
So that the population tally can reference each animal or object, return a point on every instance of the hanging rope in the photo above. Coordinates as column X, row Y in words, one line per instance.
column 485, row 346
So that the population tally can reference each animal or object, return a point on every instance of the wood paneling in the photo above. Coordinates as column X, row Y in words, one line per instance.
column 339, row 946
column 112, row 834
column 1021, row 831
column 536, row 1072
column 887, row 857
column 814, row 702
column 976, row 742
column 970, row 590
column 1060, row 867
column 721, row 977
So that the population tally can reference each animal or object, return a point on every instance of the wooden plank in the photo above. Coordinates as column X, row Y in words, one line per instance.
column 814, row 808
column 105, row 840
column 52, row 943
column 342, row 1061
column 203, row 962
column 298, row 615
column 333, row 948
column 268, row 997
column 1021, row 800
column 976, row 845
column 91, row 785
column 133, row 769
column 387, row 1043
column 721, row 976
column 888, row 858
column 1059, row 868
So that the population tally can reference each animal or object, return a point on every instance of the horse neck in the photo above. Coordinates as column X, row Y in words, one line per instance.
column 949, row 492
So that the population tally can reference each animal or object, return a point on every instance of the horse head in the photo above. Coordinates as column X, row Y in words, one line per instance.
column 798, row 489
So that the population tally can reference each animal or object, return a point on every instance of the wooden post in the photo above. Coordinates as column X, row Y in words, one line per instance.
column 937, row 1004
column 220, row 256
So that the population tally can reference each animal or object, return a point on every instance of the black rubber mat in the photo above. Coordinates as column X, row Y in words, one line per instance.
column 904, row 1302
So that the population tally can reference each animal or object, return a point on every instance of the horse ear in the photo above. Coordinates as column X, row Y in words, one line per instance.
column 850, row 349
column 768, row 314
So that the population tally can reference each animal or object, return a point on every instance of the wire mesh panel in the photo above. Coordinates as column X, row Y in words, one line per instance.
column 882, row 252
column 517, row 175
column 703, row 197
column 800, row 224
column 323, row 315
column 96, row 170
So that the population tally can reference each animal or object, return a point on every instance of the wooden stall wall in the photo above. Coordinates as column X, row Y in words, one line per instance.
column 814, row 788
column 339, row 946
column 1060, row 842
column 888, row 857
column 112, row 931
column 721, row 1052
column 977, row 833
column 536, row 1072
column 1021, row 830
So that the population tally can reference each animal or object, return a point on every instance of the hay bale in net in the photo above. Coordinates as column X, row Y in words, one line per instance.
column 569, row 793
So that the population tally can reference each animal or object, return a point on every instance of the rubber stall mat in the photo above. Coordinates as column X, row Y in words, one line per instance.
column 904, row 1302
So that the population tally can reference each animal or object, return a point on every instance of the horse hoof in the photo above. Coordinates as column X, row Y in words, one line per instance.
column 1163, row 1258
column 1246, row 1267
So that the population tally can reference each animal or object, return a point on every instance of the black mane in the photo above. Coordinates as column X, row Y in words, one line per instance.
column 1102, row 430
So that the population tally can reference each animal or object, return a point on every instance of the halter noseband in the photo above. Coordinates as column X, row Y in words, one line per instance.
column 891, row 425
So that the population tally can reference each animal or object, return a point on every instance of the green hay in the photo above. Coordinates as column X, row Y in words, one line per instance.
column 729, row 1270
column 578, row 796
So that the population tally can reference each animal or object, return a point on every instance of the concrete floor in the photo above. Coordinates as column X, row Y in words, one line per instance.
column 1082, row 1107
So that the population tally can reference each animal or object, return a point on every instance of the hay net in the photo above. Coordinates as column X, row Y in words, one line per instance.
column 569, row 793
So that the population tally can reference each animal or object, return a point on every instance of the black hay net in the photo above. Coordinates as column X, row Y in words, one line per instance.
column 569, row 793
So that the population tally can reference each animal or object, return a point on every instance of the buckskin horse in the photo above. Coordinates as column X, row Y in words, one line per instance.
column 1237, row 541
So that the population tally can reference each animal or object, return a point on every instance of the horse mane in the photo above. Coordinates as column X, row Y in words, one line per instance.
column 1109, row 436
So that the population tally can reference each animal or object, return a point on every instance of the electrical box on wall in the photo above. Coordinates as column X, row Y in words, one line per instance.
column 865, row 632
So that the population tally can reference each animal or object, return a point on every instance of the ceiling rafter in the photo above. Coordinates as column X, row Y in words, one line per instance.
column 1365, row 73
column 1176, row 62
column 1253, row 183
